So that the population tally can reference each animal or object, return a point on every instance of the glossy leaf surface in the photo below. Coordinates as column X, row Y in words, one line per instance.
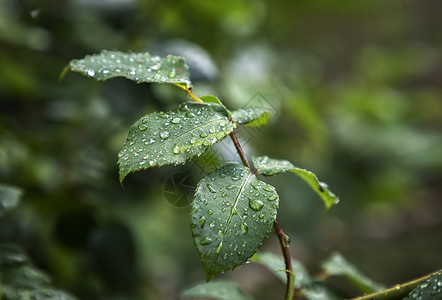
column 218, row 290
column 232, row 213
column 255, row 117
column 173, row 137
column 139, row 67
column 269, row 167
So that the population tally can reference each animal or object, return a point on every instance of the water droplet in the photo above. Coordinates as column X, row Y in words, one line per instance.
column 142, row 127
column 176, row 149
column 211, row 189
column 234, row 178
column 244, row 227
column 219, row 248
column 172, row 73
column 272, row 198
column 176, row 120
column 230, row 187
column 164, row 134
column 210, row 212
column 190, row 114
column 202, row 221
column 206, row 241
column 203, row 135
column 91, row 73
column 256, row 204
column 261, row 216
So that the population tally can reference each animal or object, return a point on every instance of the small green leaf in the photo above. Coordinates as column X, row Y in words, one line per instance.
column 173, row 137
column 430, row 288
column 219, row 290
column 269, row 167
column 211, row 99
column 276, row 264
column 255, row 117
column 140, row 67
column 338, row 265
column 232, row 213
column 9, row 198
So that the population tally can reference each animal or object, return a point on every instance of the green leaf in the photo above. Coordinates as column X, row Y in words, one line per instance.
column 276, row 264
column 9, row 198
column 338, row 265
column 430, row 288
column 232, row 213
column 269, row 167
column 255, row 117
column 211, row 99
column 140, row 67
column 219, row 290
column 173, row 137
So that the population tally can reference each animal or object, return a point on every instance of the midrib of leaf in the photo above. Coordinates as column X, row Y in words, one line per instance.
column 195, row 128
column 249, row 176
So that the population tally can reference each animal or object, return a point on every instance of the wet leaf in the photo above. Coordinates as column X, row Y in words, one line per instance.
column 139, row 67
column 430, row 288
column 219, row 290
column 232, row 213
column 269, row 167
column 159, row 139
column 276, row 264
column 9, row 198
column 336, row 264
column 254, row 117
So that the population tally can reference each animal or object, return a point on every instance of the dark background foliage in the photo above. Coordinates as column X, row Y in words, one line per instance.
column 354, row 88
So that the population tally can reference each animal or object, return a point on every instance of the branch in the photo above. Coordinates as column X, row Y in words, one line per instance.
column 240, row 151
column 399, row 291
column 288, row 261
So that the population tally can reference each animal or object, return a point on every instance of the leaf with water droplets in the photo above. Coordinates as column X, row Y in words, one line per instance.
column 9, row 198
column 336, row 264
column 430, row 288
column 238, row 210
column 276, row 264
column 140, row 67
column 255, row 117
column 219, row 290
column 173, row 137
column 269, row 167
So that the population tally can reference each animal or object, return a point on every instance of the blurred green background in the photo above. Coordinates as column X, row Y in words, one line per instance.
column 355, row 91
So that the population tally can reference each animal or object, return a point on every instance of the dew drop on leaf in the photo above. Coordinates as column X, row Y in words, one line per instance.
column 211, row 189
column 206, row 241
column 202, row 221
column 244, row 227
column 219, row 248
column 176, row 149
column 164, row 134
column 256, row 204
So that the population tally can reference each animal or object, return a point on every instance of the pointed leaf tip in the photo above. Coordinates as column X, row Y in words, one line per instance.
column 269, row 167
